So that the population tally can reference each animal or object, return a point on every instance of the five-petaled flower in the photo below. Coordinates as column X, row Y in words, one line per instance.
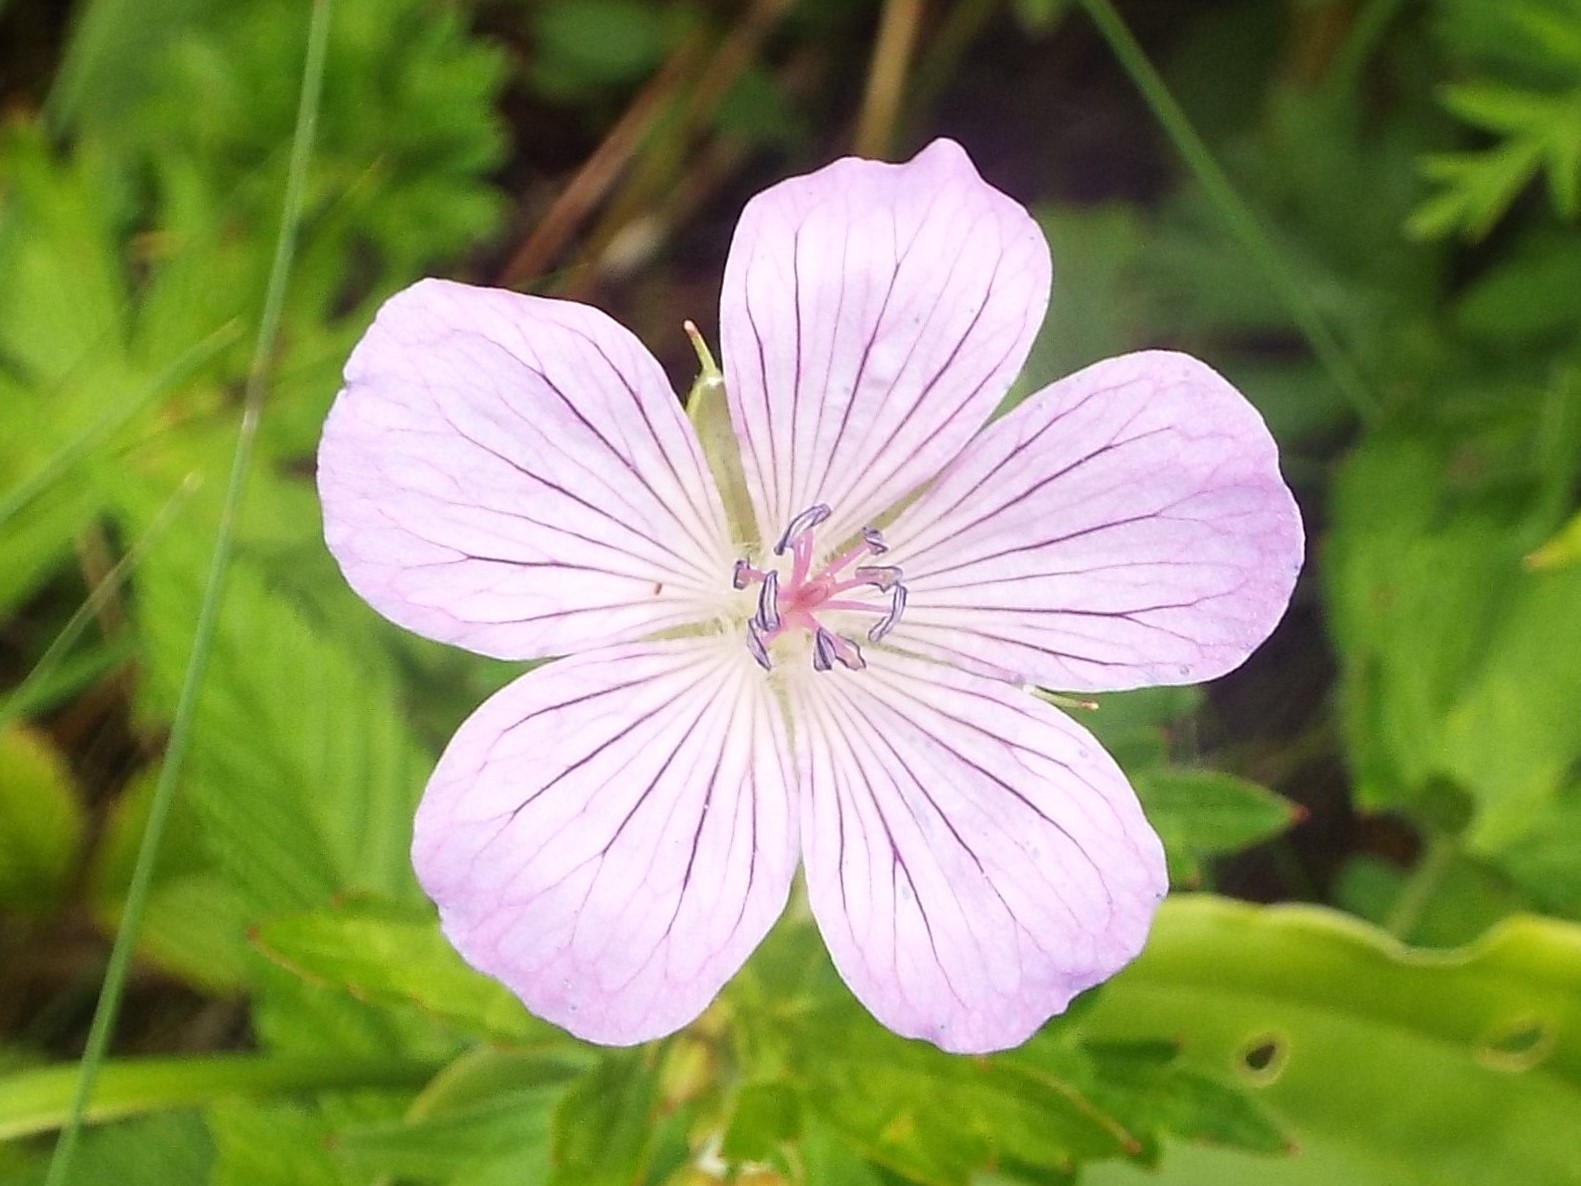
column 841, row 669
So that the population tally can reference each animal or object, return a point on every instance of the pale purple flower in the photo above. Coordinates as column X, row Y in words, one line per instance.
column 843, row 678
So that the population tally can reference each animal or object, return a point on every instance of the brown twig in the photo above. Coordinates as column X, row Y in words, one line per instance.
column 886, row 77
column 602, row 170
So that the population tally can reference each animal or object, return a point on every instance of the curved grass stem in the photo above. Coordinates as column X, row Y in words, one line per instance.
column 1237, row 215
column 108, row 1008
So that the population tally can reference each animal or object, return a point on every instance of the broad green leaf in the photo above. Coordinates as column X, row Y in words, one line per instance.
column 276, row 1144
column 398, row 956
column 484, row 1118
column 936, row 1118
column 1204, row 813
column 1405, row 1068
column 1511, row 739
column 170, row 1149
column 604, row 1126
column 1527, row 296
column 41, row 822
column 35, row 1100
column 1469, row 897
column 764, row 1118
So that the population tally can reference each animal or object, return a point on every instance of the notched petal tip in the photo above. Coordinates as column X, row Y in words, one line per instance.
column 611, row 835
column 1126, row 526
column 513, row 474
column 872, row 316
column 974, row 859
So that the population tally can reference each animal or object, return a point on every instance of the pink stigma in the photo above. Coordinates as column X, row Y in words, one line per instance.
column 793, row 600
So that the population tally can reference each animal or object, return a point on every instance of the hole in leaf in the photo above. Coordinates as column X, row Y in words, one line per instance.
column 1262, row 1058
column 1517, row 1045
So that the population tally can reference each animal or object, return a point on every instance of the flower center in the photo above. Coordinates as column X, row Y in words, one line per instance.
column 792, row 599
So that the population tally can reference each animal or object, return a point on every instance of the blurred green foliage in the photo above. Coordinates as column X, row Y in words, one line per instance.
column 1418, row 170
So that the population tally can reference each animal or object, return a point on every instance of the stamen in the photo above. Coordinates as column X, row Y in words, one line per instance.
column 829, row 648
column 769, row 603
column 755, row 646
column 885, row 577
column 800, row 525
column 742, row 576
column 822, row 650
column 874, row 539
column 897, row 606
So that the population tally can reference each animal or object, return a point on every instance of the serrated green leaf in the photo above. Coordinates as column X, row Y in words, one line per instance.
column 304, row 774
column 1403, row 1067
column 194, row 924
column 41, row 822
column 397, row 955
column 1204, row 813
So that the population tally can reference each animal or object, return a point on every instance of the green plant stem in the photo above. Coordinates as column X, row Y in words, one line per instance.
column 42, row 1099
column 1371, row 23
column 1420, row 887
column 119, row 964
column 1237, row 215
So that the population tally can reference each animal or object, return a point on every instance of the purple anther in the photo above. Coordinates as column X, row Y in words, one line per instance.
column 803, row 522
column 769, row 603
column 739, row 578
column 884, row 576
column 849, row 653
column 897, row 606
column 874, row 539
column 823, row 650
column 755, row 647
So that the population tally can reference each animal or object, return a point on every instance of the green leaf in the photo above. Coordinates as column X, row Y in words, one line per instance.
column 764, row 1118
column 162, row 1150
column 304, row 773
column 41, row 822
column 194, row 924
column 604, row 1126
column 935, row 1118
column 398, row 956
column 485, row 1117
column 1204, row 813
column 1511, row 739
column 271, row 1145
column 34, row 1101
column 1405, row 1068
column 1150, row 1088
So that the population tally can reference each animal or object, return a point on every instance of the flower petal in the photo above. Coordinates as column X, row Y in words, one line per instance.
column 514, row 475
column 974, row 858
column 872, row 317
column 1126, row 526
column 611, row 834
